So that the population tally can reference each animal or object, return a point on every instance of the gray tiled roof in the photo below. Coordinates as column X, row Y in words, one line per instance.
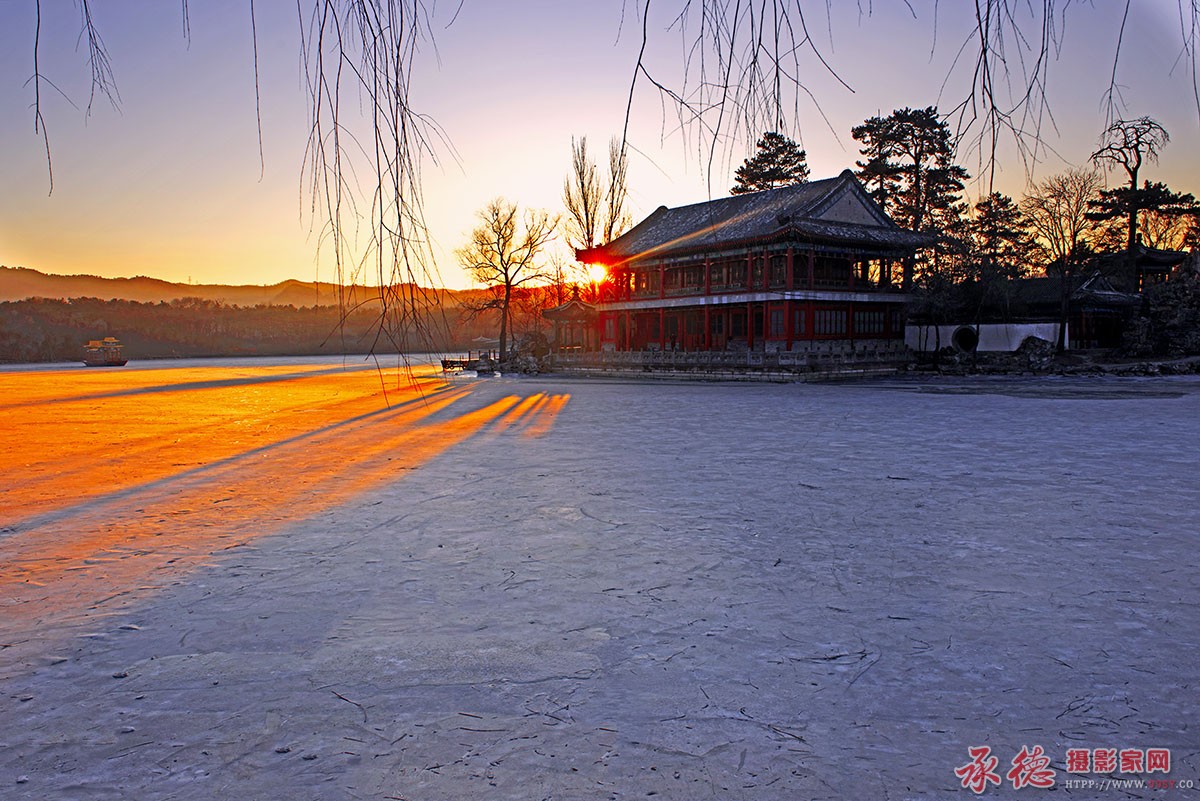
column 772, row 213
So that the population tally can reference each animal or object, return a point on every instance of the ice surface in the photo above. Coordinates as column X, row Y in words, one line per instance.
column 553, row 589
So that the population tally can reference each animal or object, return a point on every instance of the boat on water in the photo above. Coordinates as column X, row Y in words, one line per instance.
column 107, row 352
column 483, row 363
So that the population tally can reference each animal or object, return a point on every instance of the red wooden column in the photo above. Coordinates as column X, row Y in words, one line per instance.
column 790, row 278
column 707, row 277
column 788, row 311
column 628, row 331
column 749, row 326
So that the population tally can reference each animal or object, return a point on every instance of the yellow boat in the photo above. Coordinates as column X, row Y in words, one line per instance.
column 105, row 352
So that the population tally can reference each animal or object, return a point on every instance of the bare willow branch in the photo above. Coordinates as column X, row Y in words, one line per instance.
column 360, row 54
column 743, row 72
column 39, row 122
column 262, row 160
column 742, row 69
column 98, row 61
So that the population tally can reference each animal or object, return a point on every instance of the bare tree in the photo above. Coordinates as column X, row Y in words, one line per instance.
column 1057, row 213
column 595, row 206
column 616, row 217
column 1169, row 231
column 504, row 252
column 1128, row 144
column 595, row 209
column 582, row 198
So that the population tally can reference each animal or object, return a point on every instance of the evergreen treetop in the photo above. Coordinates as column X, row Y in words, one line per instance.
column 778, row 161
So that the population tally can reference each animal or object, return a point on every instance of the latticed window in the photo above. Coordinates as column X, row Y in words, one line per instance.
column 716, row 274
column 736, row 272
column 756, row 272
column 778, row 270
column 868, row 322
column 830, row 322
column 829, row 271
column 647, row 281
column 776, row 327
column 798, row 321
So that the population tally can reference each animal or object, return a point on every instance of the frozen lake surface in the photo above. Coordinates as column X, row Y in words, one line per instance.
column 271, row 581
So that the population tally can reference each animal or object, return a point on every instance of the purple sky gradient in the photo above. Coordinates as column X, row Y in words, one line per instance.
column 169, row 186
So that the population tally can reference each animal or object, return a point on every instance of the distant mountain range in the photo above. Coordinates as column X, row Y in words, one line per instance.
column 19, row 283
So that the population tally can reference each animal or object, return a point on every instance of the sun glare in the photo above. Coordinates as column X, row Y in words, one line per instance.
column 597, row 273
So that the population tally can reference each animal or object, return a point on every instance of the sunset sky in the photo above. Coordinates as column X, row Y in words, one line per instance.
column 169, row 185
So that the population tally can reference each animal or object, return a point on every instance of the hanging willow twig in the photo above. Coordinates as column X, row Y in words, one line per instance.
column 743, row 71
column 364, row 152
column 363, row 168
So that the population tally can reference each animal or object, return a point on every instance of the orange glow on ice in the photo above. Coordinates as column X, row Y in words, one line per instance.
column 128, row 479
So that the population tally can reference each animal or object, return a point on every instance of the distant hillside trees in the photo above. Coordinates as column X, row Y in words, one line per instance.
column 48, row 330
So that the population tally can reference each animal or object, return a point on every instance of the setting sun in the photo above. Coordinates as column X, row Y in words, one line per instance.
column 596, row 273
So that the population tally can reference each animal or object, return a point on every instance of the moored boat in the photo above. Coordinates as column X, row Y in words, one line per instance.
column 482, row 364
column 107, row 352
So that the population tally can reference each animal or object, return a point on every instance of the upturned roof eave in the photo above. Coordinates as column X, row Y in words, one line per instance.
column 602, row 255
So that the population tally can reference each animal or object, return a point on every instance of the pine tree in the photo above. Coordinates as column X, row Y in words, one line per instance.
column 778, row 162
column 1130, row 204
column 1129, row 144
column 910, row 166
column 910, row 170
column 1000, row 238
column 879, row 174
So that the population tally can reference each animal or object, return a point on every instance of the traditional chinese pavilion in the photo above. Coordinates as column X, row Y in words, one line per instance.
column 796, row 270
column 574, row 326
